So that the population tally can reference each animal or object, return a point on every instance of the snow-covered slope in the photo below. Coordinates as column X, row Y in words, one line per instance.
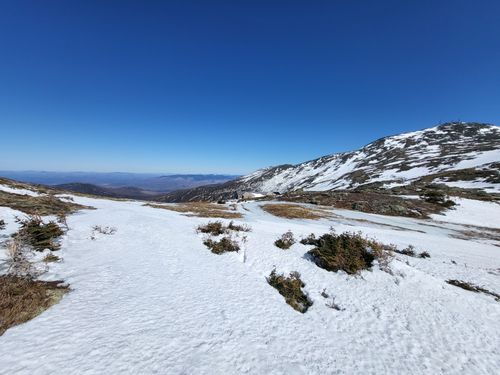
column 460, row 154
column 401, row 158
column 152, row 299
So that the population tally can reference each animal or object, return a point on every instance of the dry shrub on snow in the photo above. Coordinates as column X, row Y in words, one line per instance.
column 225, row 244
column 410, row 251
column 238, row 228
column 214, row 228
column 348, row 252
column 285, row 241
column 217, row 228
column 37, row 234
column 290, row 287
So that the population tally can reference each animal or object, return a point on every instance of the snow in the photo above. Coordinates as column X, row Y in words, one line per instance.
column 478, row 158
column 9, row 189
column 473, row 184
column 472, row 212
column 152, row 299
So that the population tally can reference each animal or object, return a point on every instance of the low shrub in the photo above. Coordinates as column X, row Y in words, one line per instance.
column 238, row 228
column 37, row 234
column 348, row 252
column 437, row 197
column 217, row 228
column 290, row 287
column 225, row 244
column 214, row 228
column 409, row 251
column 309, row 240
column 285, row 241
column 2, row 224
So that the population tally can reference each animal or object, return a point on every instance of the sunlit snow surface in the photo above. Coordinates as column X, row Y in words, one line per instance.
column 151, row 299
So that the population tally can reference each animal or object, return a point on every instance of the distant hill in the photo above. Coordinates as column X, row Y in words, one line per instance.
column 142, row 181
column 120, row 192
column 459, row 155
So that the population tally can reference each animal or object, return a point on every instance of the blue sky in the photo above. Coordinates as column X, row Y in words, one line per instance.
column 228, row 87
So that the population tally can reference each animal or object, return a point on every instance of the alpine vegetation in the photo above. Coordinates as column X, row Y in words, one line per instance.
column 290, row 287
column 348, row 252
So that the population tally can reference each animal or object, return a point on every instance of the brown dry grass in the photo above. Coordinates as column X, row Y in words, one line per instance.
column 295, row 211
column 23, row 299
column 39, row 205
column 200, row 209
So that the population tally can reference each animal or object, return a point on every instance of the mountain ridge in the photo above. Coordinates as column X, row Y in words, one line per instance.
column 468, row 150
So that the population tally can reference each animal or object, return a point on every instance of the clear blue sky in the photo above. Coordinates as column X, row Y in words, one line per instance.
column 213, row 86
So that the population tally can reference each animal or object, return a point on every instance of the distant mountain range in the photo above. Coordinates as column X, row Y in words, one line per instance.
column 116, row 184
column 458, row 154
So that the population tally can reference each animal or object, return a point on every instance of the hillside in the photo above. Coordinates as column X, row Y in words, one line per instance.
column 460, row 155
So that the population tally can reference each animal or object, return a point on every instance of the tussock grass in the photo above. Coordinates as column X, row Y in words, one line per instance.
column 285, row 241
column 39, row 205
column 348, row 252
column 295, row 211
column 290, row 287
column 23, row 299
column 200, row 209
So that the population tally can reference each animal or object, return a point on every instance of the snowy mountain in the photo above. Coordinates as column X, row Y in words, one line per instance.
column 458, row 154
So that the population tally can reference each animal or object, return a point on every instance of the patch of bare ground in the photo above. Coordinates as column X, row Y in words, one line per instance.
column 489, row 235
column 366, row 201
column 384, row 225
column 200, row 209
column 22, row 299
column 39, row 205
column 295, row 211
